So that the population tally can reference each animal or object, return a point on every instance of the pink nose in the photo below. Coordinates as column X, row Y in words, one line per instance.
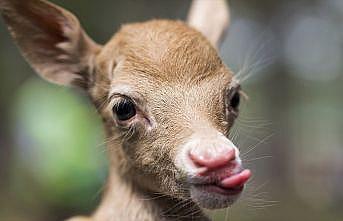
column 212, row 157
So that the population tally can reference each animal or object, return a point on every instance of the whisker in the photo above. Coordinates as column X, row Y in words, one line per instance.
column 250, row 149
column 226, row 214
column 256, row 158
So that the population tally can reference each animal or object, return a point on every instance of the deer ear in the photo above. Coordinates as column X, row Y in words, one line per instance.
column 211, row 18
column 51, row 39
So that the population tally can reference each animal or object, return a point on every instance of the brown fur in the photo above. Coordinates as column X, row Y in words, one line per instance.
column 177, row 79
column 180, row 74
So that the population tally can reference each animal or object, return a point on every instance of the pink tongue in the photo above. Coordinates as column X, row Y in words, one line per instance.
column 236, row 180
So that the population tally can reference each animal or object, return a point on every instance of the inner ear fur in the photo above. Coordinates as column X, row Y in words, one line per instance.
column 51, row 39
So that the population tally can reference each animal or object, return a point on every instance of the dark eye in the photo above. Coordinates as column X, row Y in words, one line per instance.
column 235, row 100
column 124, row 110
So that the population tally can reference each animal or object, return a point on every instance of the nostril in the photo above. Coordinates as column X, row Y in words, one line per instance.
column 212, row 158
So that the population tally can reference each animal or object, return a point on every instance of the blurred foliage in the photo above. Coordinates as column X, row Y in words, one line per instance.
column 60, row 142
column 52, row 154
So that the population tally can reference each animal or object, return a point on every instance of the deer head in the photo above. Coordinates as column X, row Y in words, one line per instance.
column 166, row 98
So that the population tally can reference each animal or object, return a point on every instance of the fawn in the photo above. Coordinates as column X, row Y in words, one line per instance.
column 166, row 99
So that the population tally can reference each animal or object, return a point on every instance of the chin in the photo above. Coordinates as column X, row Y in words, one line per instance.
column 214, row 196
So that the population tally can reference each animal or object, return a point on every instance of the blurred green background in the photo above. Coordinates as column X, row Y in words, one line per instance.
column 52, row 160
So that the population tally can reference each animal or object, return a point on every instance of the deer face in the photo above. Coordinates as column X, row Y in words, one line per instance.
column 170, row 104
column 167, row 100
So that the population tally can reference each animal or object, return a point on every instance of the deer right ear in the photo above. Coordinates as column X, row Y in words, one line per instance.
column 211, row 18
column 51, row 39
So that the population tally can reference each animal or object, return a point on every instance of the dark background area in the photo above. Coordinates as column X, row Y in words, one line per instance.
column 52, row 158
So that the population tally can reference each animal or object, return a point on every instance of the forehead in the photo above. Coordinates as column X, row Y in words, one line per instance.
column 164, row 60
column 164, row 51
column 201, row 94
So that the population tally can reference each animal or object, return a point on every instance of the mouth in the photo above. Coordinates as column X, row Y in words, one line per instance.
column 220, row 193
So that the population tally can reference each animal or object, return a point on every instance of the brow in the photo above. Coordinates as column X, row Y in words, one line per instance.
column 125, row 91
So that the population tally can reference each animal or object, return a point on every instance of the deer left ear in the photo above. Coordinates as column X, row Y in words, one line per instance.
column 51, row 39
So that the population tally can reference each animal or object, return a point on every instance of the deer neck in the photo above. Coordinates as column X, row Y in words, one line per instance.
column 126, row 200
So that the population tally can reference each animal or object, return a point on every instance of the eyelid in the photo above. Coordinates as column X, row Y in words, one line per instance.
column 232, row 89
column 122, row 99
column 135, row 97
column 125, row 91
column 116, row 99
